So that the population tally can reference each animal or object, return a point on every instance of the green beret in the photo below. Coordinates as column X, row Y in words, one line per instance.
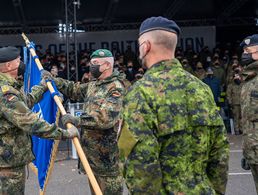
column 101, row 53
column 8, row 54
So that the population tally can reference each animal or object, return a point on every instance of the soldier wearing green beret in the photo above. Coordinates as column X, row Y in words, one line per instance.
column 18, row 122
column 173, row 140
column 102, row 97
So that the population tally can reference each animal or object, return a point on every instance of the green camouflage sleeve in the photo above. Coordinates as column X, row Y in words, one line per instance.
column 15, row 111
column 34, row 96
column 75, row 91
column 138, row 146
column 217, row 167
column 104, row 112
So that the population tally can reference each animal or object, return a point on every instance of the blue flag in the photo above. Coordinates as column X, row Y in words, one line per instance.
column 43, row 149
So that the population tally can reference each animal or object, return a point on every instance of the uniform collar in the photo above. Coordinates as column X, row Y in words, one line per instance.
column 7, row 79
column 250, row 71
column 165, row 65
column 114, row 76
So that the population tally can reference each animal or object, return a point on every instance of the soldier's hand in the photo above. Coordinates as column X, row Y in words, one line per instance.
column 68, row 118
column 73, row 132
column 43, row 83
column 46, row 75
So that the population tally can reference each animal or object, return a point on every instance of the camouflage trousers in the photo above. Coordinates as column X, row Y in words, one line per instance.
column 101, row 150
column 109, row 185
column 237, row 118
column 254, row 169
column 12, row 181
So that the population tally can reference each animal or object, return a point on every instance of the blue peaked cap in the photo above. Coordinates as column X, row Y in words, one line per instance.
column 250, row 41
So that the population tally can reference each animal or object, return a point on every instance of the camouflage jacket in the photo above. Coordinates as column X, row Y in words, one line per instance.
column 101, row 113
column 17, row 123
column 173, row 138
column 233, row 94
column 102, row 102
column 249, row 111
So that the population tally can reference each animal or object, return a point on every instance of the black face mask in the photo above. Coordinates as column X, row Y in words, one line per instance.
column 237, row 81
column 94, row 70
column 246, row 59
column 142, row 60
column 21, row 69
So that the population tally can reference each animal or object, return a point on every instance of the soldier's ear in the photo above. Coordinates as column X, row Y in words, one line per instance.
column 8, row 66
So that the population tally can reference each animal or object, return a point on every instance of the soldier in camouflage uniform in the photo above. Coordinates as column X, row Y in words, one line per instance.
column 102, row 99
column 17, row 123
column 172, row 139
column 233, row 96
column 249, row 104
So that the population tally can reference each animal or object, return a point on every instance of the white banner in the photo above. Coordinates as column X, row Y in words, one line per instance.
column 116, row 41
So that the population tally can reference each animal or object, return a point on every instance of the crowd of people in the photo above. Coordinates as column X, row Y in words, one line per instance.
column 218, row 67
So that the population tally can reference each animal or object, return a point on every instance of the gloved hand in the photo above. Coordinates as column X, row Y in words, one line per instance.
column 71, row 133
column 68, row 118
column 46, row 75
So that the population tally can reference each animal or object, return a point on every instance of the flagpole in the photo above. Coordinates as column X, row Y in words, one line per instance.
column 76, row 142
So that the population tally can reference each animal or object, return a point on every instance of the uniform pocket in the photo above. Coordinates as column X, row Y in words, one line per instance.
column 253, row 108
column 126, row 142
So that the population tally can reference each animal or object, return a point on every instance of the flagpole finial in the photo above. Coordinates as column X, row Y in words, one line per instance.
column 25, row 39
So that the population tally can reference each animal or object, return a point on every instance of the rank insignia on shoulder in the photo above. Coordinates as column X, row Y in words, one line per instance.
column 5, row 88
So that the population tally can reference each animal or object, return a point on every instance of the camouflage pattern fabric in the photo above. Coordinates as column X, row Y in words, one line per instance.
column 233, row 96
column 173, row 139
column 249, row 111
column 102, row 104
column 12, row 181
column 17, row 123
column 110, row 185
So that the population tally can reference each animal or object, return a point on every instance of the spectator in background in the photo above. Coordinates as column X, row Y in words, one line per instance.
column 130, row 72
column 186, row 66
column 194, row 61
column 214, row 84
column 54, row 70
column 129, row 55
column 139, row 74
column 200, row 73
column 205, row 55
column 219, row 72
column 233, row 96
